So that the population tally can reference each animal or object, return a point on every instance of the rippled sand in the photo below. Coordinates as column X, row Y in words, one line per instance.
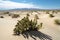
column 7, row 25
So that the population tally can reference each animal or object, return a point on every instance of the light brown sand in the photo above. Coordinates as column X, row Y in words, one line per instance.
column 7, row 25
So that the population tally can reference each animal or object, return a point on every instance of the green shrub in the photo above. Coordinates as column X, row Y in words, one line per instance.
column 47, row 12
column 36, row 16
column 51, row 15
column 9, row 14
column 15, row 16
column 1, row 17
column 57, row 21
column 6, row 12
column 25, row 24
column 53, row 12
column 27, row 14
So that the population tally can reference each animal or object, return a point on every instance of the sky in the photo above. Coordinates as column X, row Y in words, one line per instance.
column 40, row 4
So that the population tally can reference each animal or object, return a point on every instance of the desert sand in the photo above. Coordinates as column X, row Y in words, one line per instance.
column 8, row 23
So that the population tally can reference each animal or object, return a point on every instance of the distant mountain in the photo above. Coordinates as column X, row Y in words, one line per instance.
column 18, row 9
column 26, row 9
column 32, row 9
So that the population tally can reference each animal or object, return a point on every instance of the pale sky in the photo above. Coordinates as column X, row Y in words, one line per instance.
column 41, row 4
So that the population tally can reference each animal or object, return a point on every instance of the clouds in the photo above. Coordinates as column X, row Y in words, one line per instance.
column 12, row 5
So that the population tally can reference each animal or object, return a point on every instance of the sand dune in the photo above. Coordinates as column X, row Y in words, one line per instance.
column 7, row 25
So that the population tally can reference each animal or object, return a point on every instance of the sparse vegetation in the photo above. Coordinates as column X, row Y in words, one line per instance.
column 51, row 15
column 9, row 14
column 57, row 21
column 36, row 16
column 27, row 14
column 15, row 16
column 53, row 12
column 6, row 12
column 1, row 17
column 25, row 24
column 47, row 12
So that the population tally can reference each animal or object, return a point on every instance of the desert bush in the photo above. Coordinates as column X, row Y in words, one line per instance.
column 6, row 12
column 51, row 15
column 57, row 21
column 1, row 17
column 27, row 14
column 25, row 24
column 47, row 12
column 53, row 12
column 15, row 16
column 9, row 14
column 36, row 16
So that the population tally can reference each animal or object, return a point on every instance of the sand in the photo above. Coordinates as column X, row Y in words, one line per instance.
column 7, row 25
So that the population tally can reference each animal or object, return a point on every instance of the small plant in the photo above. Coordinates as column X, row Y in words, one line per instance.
column 53, row 12
column 27, row 14
column 36, row 16
column 57, row 21
column 6, row 12
column 51, row 15
column 47, row 12
column 1, row 17
column 26, row 25
column 9, row 14
column 15, row 16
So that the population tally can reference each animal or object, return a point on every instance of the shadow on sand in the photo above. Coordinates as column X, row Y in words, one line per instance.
column 38, row 34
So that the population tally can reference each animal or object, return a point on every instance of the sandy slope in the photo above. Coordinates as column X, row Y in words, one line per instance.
column 7, row 25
